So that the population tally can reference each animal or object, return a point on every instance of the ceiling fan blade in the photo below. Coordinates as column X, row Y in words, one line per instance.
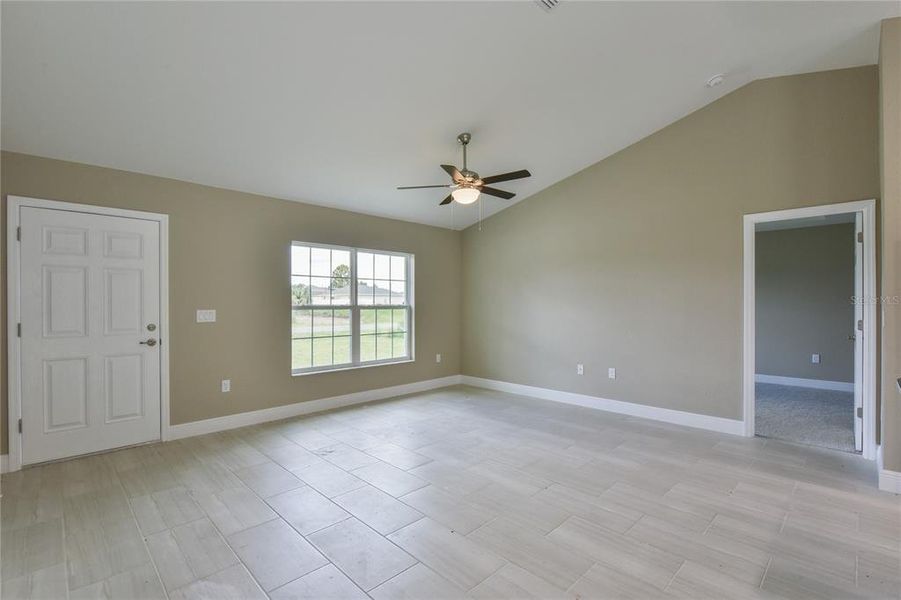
column 447, row 200
column 453, row 172
column 420, row 187
column 496, row 192
column 506, row 176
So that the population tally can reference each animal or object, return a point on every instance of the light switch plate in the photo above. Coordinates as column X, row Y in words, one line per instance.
column 611, row 373
column 815, row 359
column 206, row 315
column 226, row 385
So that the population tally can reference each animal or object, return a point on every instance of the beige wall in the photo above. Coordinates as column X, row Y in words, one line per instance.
column 636, row 262
column 890, row 156
column 229, row 251
column 633, row 263
column 805, row 281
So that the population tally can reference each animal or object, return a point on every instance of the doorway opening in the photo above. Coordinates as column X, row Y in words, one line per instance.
column 809, row 372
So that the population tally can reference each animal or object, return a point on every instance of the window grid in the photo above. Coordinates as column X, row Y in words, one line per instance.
column 396, row 283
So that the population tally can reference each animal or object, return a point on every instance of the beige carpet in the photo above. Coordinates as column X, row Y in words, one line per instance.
column 822, row 418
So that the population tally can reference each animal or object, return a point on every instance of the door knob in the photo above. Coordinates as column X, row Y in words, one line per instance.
column 150, row 342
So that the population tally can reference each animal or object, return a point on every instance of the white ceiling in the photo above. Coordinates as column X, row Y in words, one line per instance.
column 338, row 103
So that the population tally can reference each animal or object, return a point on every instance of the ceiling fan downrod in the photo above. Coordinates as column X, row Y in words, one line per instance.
column 464, row 138
column 470, row 176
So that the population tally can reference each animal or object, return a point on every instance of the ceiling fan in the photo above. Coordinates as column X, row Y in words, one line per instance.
column 468, row 185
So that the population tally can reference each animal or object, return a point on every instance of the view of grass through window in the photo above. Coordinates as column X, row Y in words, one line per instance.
column 348, row 307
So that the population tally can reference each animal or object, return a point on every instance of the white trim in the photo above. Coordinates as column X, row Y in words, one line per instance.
column 304, row 408
column 14, row 203
column 666, row 415
column 165, row 340
column 890, row 481
column 4, row 463
column 817, row 384
column 868, row 209
column 366, row 365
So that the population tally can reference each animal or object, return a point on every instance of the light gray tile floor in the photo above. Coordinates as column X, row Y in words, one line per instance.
column 454, row 493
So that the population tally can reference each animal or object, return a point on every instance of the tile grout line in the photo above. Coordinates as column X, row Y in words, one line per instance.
column 581, row 577
column 673, row 578
column 766, row 571
column 134, row 518
column 626, row 532
column 710, row 524
column 392, row 578
column 784, row 521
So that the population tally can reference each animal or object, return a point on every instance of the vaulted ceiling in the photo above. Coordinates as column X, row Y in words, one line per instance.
column 338, row 103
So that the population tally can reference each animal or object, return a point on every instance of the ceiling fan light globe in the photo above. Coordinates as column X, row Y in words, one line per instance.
column 465, row 195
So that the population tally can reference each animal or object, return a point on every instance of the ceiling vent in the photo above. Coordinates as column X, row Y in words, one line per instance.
column 548, row 5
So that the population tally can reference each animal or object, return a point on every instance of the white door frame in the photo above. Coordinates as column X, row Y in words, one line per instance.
column 867, row 208
column 13, row 262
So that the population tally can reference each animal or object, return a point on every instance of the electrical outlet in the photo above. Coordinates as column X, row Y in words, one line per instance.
column 580, row 369
column 437, row 358
column 611, row 373
column 815, row 359
column 206, row 315
column 226, row 385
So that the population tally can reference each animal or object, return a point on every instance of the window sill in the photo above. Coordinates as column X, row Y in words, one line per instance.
column 353, row 367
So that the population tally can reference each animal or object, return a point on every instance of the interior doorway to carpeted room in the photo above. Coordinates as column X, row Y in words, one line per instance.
column 808, row 337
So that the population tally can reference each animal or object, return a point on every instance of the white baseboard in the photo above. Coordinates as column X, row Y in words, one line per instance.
column 667, row 415
column 303, row 408
column 890, row 481
column 817, row 384
column 4, row 463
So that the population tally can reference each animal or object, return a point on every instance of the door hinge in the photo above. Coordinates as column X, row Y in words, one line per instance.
column 18, row 329
column 860, row 236
column 20, row 425
column 18, row 234
column 859, row 324
column 859, row 412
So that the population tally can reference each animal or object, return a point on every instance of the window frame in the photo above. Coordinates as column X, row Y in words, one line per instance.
column 354, row 307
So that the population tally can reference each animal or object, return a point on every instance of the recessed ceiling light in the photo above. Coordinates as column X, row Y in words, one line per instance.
column 716, row 80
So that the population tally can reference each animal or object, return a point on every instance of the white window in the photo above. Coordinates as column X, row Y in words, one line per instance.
column 349, row 307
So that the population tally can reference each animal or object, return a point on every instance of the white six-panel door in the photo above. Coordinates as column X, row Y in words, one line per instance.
column 90, row 317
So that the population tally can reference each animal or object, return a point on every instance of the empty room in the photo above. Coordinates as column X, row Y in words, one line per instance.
column 538, row 299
